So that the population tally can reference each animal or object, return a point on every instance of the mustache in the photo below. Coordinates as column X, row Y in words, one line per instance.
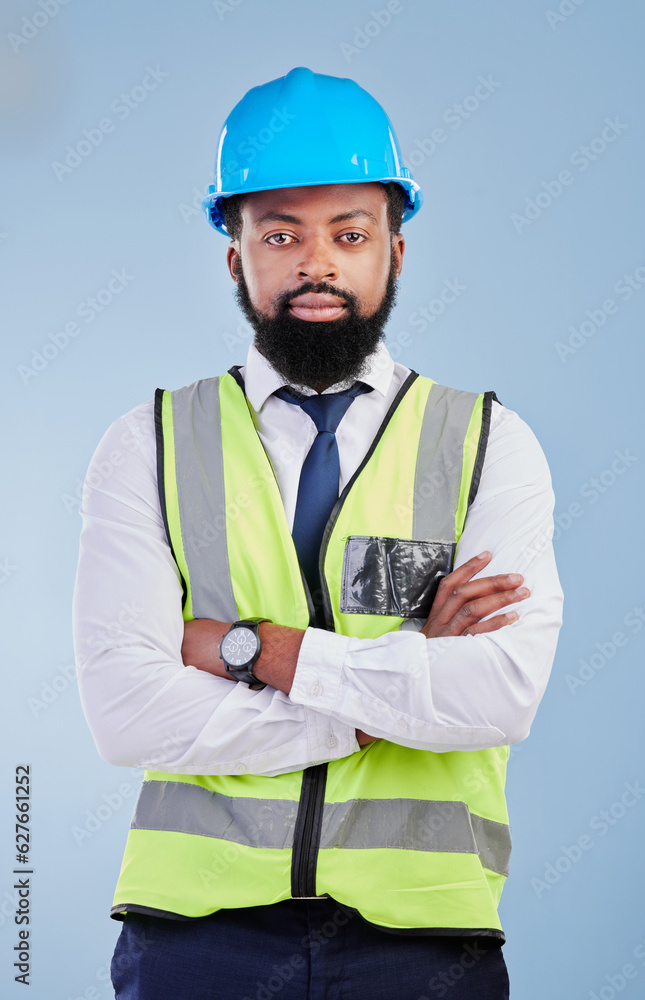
column 281, row 302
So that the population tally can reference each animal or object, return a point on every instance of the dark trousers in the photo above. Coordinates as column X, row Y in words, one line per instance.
column 299, row 949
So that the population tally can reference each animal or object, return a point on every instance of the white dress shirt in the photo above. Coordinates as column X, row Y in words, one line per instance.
column 146, row 709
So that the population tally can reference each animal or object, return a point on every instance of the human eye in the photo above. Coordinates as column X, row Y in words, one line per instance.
column 353, row 242
column 280, row 236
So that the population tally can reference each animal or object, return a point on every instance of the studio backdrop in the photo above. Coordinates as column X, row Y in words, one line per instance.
column 524, row 272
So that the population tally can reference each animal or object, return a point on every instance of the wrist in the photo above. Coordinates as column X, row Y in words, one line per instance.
column 200, row 646
column 279, row 657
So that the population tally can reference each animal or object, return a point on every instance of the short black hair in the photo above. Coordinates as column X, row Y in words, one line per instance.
column 395, row 194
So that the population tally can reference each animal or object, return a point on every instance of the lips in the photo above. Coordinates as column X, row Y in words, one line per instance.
column 315, row 306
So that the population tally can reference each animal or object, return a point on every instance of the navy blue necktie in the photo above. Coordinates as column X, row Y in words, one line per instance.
column 319, row 477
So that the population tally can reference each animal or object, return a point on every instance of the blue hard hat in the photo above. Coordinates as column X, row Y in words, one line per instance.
column 303, row 129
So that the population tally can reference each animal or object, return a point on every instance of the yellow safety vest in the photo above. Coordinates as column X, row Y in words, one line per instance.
column 409, row 838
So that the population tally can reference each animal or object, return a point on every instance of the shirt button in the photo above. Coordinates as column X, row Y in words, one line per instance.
column 402, row 725
column 332, row 742
column 317, row 689
column 240, row 767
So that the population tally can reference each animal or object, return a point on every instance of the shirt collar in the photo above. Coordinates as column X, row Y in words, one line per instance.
column 261, row 379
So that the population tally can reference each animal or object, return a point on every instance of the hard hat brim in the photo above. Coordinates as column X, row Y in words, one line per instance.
column 212, row 207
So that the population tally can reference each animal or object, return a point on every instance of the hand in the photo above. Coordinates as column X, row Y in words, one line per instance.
column 461, row 602
column 364, row 738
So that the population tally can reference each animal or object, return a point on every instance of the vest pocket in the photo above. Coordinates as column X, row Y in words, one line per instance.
column 392, row 576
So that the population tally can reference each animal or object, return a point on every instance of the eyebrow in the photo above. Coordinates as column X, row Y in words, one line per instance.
column 282, row 217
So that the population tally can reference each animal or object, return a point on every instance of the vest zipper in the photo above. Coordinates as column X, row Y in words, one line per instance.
column 306, row 834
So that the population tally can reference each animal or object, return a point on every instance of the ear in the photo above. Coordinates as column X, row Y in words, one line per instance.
column 233, row 261
column 398, row 248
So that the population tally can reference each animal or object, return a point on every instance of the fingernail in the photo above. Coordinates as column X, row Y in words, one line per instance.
column 523, row 592
column 512, row 616
column 483, row 555
column 515, row 578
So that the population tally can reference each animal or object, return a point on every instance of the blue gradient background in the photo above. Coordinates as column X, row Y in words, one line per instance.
column 128, row 205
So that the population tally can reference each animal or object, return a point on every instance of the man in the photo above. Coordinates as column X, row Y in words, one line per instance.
column 280, row 610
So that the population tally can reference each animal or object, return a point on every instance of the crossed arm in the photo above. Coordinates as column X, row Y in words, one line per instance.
column 459, row 608
column 463, row 683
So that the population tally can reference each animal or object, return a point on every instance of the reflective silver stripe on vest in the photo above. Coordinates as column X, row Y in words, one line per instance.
column 406, row 824
column 182, row 808
column 416, row 825
column 439, row 463
column 202, row 502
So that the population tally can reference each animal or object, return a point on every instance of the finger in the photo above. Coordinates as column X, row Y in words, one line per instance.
column 487, row 585
column 459, row 576
column 472, row 613
column 468, row 569
column 471, row 594
column 492, row 624
column 476, row 610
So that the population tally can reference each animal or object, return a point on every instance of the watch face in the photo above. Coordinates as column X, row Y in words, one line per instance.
column 239, row 647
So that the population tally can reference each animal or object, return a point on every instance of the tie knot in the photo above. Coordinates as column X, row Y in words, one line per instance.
column 328, row 410
column 325, row 409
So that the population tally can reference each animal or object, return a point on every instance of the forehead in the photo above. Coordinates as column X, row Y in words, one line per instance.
column 321, row 202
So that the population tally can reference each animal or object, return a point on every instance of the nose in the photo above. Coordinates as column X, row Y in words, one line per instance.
column 317, row 260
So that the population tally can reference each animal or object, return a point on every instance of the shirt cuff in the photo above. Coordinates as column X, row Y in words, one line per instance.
column 316, row 681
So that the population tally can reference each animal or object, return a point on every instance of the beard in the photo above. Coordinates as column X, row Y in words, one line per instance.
column 318, row 353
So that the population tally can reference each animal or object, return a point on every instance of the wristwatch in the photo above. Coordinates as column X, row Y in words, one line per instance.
column 240, row 648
